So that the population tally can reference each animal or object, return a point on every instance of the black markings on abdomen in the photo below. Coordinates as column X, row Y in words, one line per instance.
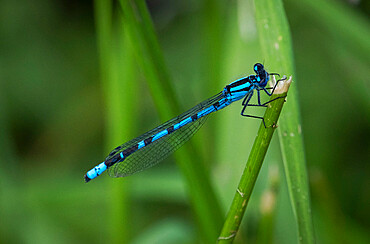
column 170, row 129
column 148, row 140
column 216, row 105
column 112, row 160
column 130, row 150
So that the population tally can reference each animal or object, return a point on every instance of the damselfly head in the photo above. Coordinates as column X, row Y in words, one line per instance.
column 262, row 76
column 258, row 68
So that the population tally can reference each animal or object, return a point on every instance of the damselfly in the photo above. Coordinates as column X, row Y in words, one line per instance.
column 155, row 145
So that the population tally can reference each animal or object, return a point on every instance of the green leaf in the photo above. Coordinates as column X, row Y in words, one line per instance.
column 276, row 46
column 137, row 21
column 117, row 74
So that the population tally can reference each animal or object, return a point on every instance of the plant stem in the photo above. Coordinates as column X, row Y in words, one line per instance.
column 254, row 163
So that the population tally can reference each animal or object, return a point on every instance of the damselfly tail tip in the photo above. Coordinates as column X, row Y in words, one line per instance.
column 86, row 178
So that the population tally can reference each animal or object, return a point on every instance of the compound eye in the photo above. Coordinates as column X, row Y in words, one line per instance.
column 258, row 67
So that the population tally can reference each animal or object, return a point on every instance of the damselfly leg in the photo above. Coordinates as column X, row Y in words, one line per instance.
column 249, row 96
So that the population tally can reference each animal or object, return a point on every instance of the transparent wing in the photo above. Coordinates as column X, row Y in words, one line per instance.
column 158, row 150
column 155, row 152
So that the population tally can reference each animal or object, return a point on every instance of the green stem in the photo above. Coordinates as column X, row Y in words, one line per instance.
column 253, row 166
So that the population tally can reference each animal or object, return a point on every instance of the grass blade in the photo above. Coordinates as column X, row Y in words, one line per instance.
column 116, row 72
column 275, row 42
column 138, row 23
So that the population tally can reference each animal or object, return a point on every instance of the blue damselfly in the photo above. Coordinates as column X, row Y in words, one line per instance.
column 155, row 145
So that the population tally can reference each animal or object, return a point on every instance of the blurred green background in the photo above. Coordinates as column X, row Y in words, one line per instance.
column 55, row 117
